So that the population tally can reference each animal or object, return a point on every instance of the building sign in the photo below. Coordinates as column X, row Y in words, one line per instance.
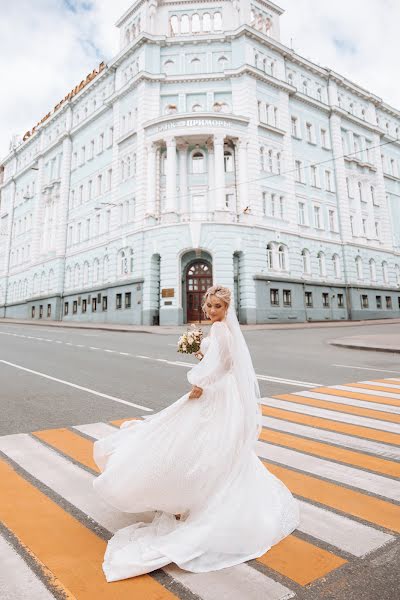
column 192, row 123
column 70, row 95
column 168, row 292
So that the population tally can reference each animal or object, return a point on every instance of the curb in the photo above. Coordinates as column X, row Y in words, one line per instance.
column 371, row 348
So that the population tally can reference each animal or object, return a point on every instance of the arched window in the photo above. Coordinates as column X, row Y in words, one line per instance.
column 228, row 161
column 397, row 273
column 259, row 22
column 43, row 282
column 77, row 275
column 217, row 21
column 169, row 66
column 270, row 163
column 306, row 262
column 122, row 263
column 85, row 273
column 278, row 163
column 195, row 23
column 385, row 272
column 130, row 266
column 372, row 270
column 319, row 94
column 128, row 166
column 174, row 25
column 270, row 256
column 290, row 78
column 206, row 22
column 305, row 87
column 282, row 258
column 359, row 268
column 360, row 194
column 198, row 162
column 185, row 24
column 222, row 62
column 336, row 266
column 268, row 25
column 372, row 190
column 195, row 65
column 321, row 264
column 105, row 268
column 197, row 107
column 163, row 161
column 96, row 269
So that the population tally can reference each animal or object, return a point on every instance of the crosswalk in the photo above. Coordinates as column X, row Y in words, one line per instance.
column 337, row 448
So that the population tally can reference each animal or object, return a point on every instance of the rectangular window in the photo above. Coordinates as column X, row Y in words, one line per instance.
column 272, row 208
column 389, row 302
column 398, row 299
column 324, row 139
column 308, row 299
column 328, row 181
column 314, row 181
column 287, row 297
column 294, row 127
column 101, row 142
column 298, row 171
column 49, row 310
column 302, row 214
column 281, row 206
column 66, row 308
column 317, row 217
column 378, row 301
column 94, row 304
column 90, row 189
column 309, row 130
column 118, row 301
column 264, row 199
column 128, row 297
column 99, row 184
column 364, row 226
column 332, row 220
column 40, row 311
column 33, row 312
column 75, row 307
column 274, row 297
column 108, row 220
column 364, row 301
column 229, row 201
column 109, row 179
column 91, row 155
column 83, row 155
column 84, row 305
column 340, row 300
column 104, row 303
column 325, row 299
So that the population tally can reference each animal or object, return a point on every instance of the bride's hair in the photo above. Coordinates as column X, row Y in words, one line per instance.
column 223, row 293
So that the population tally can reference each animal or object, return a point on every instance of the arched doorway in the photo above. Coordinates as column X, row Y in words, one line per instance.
column 198, row 280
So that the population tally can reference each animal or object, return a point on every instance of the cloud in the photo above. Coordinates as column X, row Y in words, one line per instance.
column 48, row 46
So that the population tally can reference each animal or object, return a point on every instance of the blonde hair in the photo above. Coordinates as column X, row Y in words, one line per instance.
column 221, row 292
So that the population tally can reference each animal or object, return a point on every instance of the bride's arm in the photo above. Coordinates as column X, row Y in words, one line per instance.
column 217, row 360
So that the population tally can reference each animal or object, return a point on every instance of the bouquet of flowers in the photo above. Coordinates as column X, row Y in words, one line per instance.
column 189, row 342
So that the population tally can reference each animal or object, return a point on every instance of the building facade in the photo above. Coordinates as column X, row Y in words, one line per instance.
column 205, row 151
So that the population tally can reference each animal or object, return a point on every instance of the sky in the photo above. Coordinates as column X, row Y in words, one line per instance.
column 48, row 46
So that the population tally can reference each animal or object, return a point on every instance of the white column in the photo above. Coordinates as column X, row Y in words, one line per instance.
column 183, row 148
column 219, row 173
column 170, row 204
column 151, row 180
column 211, row 178
column 243, row 174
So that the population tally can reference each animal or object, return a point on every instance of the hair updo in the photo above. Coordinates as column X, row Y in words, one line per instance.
column 221, row 292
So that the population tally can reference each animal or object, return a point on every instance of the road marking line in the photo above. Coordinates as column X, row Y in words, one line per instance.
column 314, row 408
column 79, row 387
column 342, row 455
column 54, row 536
column 339, row 439
column 351, row 502
column 372, row 390
column 364, row 368
column 297, row 414
column 72, row 444
column 372, row 408
column 351, row 476
column 348, row 392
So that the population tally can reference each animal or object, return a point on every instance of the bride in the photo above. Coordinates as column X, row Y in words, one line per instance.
column 192, row 468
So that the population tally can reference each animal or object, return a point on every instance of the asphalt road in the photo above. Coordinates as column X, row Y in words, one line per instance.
column 141, row 369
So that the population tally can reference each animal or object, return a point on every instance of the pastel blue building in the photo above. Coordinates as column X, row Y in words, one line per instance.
column 205, row 151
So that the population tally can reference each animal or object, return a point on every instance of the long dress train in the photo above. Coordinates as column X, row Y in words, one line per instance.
column 187, row 459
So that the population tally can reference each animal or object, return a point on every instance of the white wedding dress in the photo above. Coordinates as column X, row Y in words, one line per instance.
column 186, row 459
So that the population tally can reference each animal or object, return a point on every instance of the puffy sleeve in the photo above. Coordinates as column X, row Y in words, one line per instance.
column 217, row 360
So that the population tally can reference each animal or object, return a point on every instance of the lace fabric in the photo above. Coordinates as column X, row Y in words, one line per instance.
column 197, row 458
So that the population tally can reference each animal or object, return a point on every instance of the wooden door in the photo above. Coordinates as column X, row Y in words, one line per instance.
column 198, row 280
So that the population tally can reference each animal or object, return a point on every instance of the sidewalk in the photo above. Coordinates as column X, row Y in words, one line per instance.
column 179, row 329
column 389, row 342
